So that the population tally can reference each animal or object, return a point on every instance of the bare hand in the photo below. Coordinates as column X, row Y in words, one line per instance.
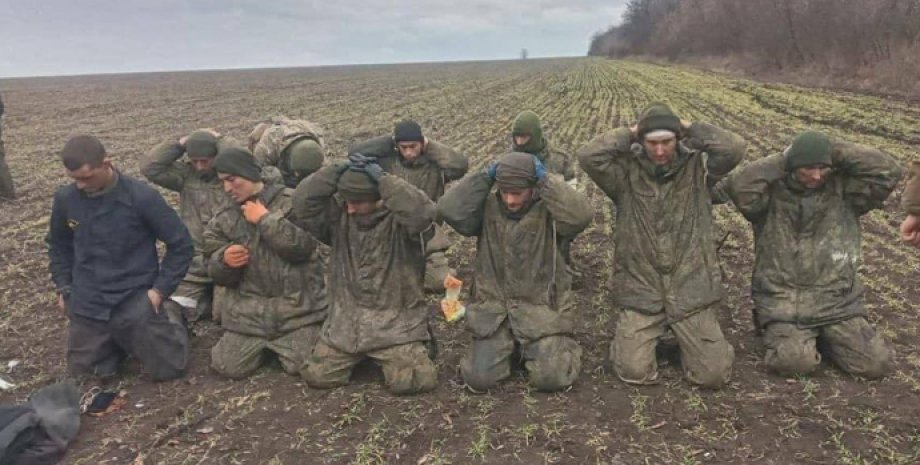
column 424, row 143
column 61, row 304
column 684, row 124
column 155, row 299
column 236, row 256
column 213, row 132
column 634, row 130
column 254, row 211
column 183, row 140
column 910, row 230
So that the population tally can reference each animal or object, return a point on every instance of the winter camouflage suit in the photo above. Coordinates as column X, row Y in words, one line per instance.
column 666, row 271
column 808, row 247
column 201, row 196
column 910, row 200
column 431, row 171
column 7, row 191
column 521, row 294
column 276, row 302
column 378, row 308
column 270, row 146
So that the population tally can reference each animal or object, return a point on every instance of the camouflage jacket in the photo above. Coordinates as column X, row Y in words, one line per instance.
column 910, row 200
column 555, row 160
column 520, row 270
column 665, row 251
column 269, row 151
column 200, row 196
column 378, row 261
column 807, row 243
column 283, row 286
column 430, row 172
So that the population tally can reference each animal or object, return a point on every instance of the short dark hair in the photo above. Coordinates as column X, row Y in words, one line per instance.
column 82, row 150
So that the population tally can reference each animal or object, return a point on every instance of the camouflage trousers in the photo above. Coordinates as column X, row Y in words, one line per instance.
column 96, row 348
column 239, row 355
column 705, row 355
column 195, row 298
column 407, row 368
column 552, row 362
column 852, row 344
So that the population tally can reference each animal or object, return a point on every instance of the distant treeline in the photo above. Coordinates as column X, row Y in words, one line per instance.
column 855, row 38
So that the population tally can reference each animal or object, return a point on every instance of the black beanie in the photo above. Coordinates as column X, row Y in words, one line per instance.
column 408, row 131
column 201, row 144
column 237, row 161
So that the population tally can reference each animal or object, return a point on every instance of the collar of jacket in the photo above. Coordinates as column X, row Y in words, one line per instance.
column 269, row 192
column 670, row 170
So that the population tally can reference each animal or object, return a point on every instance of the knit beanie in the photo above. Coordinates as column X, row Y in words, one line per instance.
column 237, row 161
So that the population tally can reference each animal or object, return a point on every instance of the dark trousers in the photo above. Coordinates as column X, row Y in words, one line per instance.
column 96, row 348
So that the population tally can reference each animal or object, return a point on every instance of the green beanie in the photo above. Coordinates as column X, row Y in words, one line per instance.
column 201, row 144
column 808, row 149
column 237, row 161
column 527, row 123
column 304, row 156
column 356, row 186
column 657, row 116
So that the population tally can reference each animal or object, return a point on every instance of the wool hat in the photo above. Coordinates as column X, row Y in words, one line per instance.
column 237, row 161
column 809, row 148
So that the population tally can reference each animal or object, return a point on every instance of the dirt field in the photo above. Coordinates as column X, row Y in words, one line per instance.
column 272, row 418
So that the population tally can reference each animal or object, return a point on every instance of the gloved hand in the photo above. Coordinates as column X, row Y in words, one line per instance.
column 373, row 170
column 359, row 160
column 492, row 170
column 539, row 168
column 342, row 168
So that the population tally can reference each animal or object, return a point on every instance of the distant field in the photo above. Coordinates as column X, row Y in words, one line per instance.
column 272, row 418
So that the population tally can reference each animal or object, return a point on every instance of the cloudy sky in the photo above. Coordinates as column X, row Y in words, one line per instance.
column 53, row 37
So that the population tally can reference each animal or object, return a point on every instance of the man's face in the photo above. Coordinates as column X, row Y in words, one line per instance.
column 202, row 165
column 516, row 199
column 410, row 150
column 240, row 189
column 362, row 207
column 521, row 139
column 660, row 150
column 91, row 179
column 812, row 177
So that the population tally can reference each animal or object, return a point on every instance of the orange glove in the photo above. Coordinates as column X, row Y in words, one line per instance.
column 254, row 211
column 236, row 256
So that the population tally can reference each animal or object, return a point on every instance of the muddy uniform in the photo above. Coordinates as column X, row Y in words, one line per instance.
column 6, row 180
column 103, row 261
column 201, row 196
column 910, row 200
column 807, row 251
column 521, row 293
column 430, row 172
column 271, row 149
column 666, row 271
column 378, row 307
column 277, row 302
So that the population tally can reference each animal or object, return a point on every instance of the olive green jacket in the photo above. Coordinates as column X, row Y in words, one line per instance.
column 807, row 242
column 665, row 251
column 282, row 288
column 430, row 172
column 520, row 271
column 910, row 200
column 378, row 261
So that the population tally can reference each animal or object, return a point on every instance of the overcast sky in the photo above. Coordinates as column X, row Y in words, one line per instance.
column 53, row 37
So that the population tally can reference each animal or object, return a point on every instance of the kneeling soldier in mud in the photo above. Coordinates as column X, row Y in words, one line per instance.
column 804, row 205
column 201, row 196
column 666, row 272
column 377, row 225
column 102, row 244
column 275, row 296
column 428, row 165
column 910, row 201
column 293, row 147
column 522, row 293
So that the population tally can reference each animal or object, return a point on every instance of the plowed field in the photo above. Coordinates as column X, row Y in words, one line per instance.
column 272, row 418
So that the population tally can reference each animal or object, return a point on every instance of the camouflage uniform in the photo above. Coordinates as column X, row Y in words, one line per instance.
column 910, row 200
column 276, row 302
column 378, row 307
column 6, row 180
column 666, row 271
column 808, row 249
column 430, row 172
column 521, row 295
column 270, row 149
column 201, row 196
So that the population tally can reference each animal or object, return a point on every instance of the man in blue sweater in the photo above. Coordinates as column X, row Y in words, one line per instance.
column 103, row 259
